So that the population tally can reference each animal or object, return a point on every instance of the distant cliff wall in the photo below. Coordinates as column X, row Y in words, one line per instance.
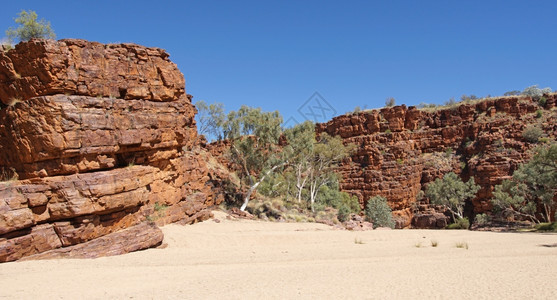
column 400, row 150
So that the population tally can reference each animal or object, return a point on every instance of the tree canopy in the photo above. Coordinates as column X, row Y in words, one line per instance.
column 452, row 193
column 261, row 147
column 29, row 28
column 532, row 183
column 379, row 212
column 210, row 118
column 255, row 136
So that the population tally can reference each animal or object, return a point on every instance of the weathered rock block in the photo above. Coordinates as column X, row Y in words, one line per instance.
column 60, row 135
column 38, row 239
column 135, row 238
column 95, row 139
column 78, row 67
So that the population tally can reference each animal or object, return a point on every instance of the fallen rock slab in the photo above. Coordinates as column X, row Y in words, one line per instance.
column 138, row 237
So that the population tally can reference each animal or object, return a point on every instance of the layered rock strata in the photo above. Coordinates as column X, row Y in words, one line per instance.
column 402, row 149
column 96, row 141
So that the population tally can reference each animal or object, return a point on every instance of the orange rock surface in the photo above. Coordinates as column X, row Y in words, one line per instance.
column 402, row 149
column 96, row 139
column 78, row 67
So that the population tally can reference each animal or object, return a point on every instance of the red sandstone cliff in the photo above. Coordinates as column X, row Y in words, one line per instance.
column 402, row 149
column 102, row 138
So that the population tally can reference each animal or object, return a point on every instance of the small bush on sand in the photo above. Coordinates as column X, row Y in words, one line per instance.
column 462, row 245
column 379, row 212
column 547, row 227
column 482, row 219
column 462, row 223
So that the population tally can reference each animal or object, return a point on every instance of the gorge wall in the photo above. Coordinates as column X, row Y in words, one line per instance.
column 97, row 143
column 400, row 150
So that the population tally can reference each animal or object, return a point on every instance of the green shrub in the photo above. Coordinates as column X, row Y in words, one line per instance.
column 542, row 101
column 482, row 219
column 390, row 102
column 462, row 223
column 543, row 140
column 388, row 130
column 532, row 134
column 348, row 205
column 379, row 212
column 539, row 113
column 547, row 227
column 344, row 213
column 330, row 196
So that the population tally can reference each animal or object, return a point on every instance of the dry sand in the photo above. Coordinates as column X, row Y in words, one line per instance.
column 261, row 260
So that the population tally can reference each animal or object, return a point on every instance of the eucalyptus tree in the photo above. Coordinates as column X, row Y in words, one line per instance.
column 255, row 135
column 452, row 193
column 29, row 28
column 210, row 119
column 533, row 183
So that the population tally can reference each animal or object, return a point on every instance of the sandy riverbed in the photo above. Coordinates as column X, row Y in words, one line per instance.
column 260, row 260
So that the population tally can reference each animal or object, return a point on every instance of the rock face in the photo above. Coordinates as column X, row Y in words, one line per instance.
column 94, row 141
column 402, row 149
column 78, row 67
column 60, row 135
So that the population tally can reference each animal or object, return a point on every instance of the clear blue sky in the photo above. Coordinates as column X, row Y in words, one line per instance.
column 276, row 54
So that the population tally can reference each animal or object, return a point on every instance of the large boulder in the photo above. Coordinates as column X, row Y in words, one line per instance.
column 94, row 141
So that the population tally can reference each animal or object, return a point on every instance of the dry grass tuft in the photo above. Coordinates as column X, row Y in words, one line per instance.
column 462, row 245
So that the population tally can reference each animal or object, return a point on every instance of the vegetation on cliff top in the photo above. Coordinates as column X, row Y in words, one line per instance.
column 29, row 27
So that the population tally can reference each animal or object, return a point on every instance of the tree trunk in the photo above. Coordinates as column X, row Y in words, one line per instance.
column 312, row 198
column 300, row 187
column 254, row 186
column 248, row 195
